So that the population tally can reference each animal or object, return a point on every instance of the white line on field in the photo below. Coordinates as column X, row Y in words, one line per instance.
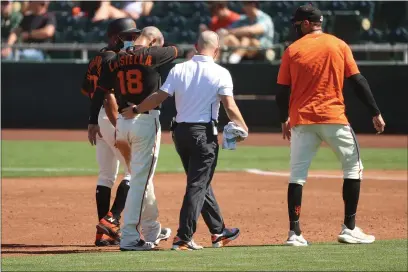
column 286, row 174
column 251, row 171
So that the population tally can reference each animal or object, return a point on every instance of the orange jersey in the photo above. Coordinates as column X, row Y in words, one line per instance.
column 217, row 23
column 314, row 67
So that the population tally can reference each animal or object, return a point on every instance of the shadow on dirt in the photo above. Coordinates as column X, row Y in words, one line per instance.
column 17, row 249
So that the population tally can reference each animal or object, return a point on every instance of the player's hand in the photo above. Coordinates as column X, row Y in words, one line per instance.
column 128, row 113
column 379, row 123
column 93, row 130
column 5, row 52
column 286, row 134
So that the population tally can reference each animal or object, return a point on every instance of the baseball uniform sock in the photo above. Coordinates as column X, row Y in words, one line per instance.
column 294, row 205
column 120, row 199
column 351, row 193
column 103, row 194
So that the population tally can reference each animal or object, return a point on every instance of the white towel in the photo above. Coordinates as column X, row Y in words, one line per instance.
column 231, row 132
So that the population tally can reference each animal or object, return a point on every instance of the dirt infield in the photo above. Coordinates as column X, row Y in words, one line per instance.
column 58, row 215
column 255, row 139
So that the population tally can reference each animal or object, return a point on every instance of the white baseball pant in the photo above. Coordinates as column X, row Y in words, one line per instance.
column 143, row 133
column 306, row 140
column 107, row 155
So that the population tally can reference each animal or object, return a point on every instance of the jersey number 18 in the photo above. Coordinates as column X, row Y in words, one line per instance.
column 130, row 82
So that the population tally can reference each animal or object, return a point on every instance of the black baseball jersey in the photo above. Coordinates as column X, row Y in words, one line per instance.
column 93, row 73
column 90, row 82
column 32, row 22
column 135, row 74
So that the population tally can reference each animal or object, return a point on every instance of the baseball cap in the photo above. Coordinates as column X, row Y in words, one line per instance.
column 122, row 26
column 307, row 12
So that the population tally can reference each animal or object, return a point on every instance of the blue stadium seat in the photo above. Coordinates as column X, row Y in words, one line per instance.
column 150, row 21
column 160, row 9
column 235, row 6
column 64, row 20
column 372, row 35
column 399, row 35
column 188, row 36
column 202, row 7
column 173, row 36
column 61, row 6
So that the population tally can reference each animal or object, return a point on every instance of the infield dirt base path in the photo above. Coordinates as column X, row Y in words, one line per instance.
column 58, row 215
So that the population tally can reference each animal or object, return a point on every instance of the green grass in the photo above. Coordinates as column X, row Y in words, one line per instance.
column 380, row 256
column 78, row 158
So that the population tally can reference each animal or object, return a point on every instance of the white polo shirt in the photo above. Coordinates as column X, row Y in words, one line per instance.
column 197, row 84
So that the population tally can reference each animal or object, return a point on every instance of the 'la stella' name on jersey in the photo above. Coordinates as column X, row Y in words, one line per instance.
column 131, row 60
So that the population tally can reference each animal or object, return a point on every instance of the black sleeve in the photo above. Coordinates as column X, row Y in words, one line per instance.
column 51, row 20
column 89, row 83
column 96, row 104
column 282, row 99
column 23, row 24
column 163, row 55
column 107, row 77
column 363, row 92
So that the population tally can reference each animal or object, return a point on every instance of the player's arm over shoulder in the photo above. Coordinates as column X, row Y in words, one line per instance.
column 163, row 55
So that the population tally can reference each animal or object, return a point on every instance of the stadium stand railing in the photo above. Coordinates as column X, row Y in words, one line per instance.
column 84, row 50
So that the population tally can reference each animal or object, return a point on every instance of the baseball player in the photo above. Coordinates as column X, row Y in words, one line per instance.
column 311, row 79
column 136, row 72
column 101, row 133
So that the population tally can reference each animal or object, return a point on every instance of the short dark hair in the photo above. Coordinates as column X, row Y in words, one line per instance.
column 217, row 5
column 255, row 3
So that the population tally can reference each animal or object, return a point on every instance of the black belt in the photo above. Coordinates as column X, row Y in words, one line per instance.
column 146, row 112
column 193, row 124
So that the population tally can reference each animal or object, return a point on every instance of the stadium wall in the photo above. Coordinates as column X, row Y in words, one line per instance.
column 47, row 95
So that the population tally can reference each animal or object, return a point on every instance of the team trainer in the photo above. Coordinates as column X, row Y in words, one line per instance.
column 199, row 85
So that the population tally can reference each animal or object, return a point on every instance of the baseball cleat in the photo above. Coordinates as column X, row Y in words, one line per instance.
column 109, row 225
column 103, row 240
column 355, row 236
column 165, row 234
column 179, row 244
column 228, row 235
column 141, row 245
column 296, row 240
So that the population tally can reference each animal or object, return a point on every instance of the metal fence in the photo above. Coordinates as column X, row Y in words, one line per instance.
column 85, row 48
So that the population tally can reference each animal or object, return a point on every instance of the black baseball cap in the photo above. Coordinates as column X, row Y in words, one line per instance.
column 122, row 25
column 307, row 12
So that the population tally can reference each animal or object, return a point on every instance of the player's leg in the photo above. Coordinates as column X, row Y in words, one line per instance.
column 108, row 166
column 303, row 147
column 151, row 228
column 342, row 140
column 202, row 148
column 143, row 135
column 211, row 213
column 108, row 133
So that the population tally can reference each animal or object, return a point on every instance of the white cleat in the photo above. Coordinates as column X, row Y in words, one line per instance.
column 165, row 234
column 179, row 244
column 296, row 240
column 137, row 246
column 355, row 236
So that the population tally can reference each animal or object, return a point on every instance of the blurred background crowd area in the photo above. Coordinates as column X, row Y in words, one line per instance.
column 255, row 25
